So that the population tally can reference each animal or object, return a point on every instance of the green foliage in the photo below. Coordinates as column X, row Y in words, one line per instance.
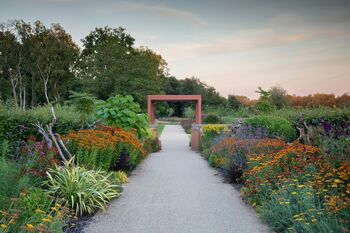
column 212, row 119
column 264, row 95
column 217, row 161
column 160, row 128
column 33, row 211
column 124, row 113
column 264, row 106
column 38, row 59
column 314, row 116
column 277, row 126
column 189, row 113
column 83, row 102
column 233, row 103
column 191, row 86
column 278, row 97
column 16, row 125
column 110, row 65
column 302, row 212
column 11, row 182
column 85, row 191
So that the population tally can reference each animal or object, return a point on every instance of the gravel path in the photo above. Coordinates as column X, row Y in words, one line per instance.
column 175, row 191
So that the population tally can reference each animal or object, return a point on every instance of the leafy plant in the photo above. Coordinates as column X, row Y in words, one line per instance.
column 121, row 177
column 34, row 211
column 277, row 126
column 212, row 119
column 85, row 191
column 124, row 113
column 264, row 106
column 189, row 113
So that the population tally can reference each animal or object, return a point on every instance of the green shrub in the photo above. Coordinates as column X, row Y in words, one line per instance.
column 124, row 113
column 12, row 182
column 16, row 125
column 264, row 106
column 85, row 191
column 212, row 119
column 314, row 116
column 277, row 126
column 189, row 113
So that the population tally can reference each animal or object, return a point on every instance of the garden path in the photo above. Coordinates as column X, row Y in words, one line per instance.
column 176, row 191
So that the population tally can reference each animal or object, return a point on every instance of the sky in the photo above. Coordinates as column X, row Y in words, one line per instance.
column 233, row 45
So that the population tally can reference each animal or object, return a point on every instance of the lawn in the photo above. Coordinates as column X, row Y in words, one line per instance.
column 160, row 129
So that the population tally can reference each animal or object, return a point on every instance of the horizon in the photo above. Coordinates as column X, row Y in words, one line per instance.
column 234, row 46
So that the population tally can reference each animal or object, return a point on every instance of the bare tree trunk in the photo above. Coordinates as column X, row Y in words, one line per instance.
column 24, row 99
column 14, row 83
column 33, row 96
column 45, row 89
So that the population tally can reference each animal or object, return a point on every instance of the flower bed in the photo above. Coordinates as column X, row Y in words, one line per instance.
column 294, row 187
column 109, row 148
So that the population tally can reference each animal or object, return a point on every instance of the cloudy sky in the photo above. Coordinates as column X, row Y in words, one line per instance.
column 233, row 45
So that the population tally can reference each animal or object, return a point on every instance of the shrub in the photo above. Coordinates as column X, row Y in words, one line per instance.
column 121, row 177
column 16, row 125
column 189, row 113
column 264, row 106
column 212, row 119
column 277, row 126
column 123, row 112
column 11, row 182
column 233, row 102
column 85, row 191
column 106, row 148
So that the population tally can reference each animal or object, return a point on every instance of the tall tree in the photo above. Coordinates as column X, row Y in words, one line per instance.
column 110, row 65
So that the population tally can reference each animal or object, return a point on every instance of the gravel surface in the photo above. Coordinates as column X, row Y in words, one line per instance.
column 176, row 191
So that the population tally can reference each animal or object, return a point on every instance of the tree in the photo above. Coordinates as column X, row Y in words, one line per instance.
column 233, row 102
column 278, row 97
column 110, row 65
column 35, row 59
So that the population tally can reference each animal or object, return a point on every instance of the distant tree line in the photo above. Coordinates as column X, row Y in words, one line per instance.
column 42, row 64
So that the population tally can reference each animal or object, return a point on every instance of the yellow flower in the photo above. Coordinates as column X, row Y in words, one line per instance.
column 299, row 219
column 313, row 220
column 300, row 185
column 3, row 226
column 294, row 193
column 12, row 222
column 30, row 226
column 57, row 205
column 46, row 220
column 337, row 181
column 39, row 211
